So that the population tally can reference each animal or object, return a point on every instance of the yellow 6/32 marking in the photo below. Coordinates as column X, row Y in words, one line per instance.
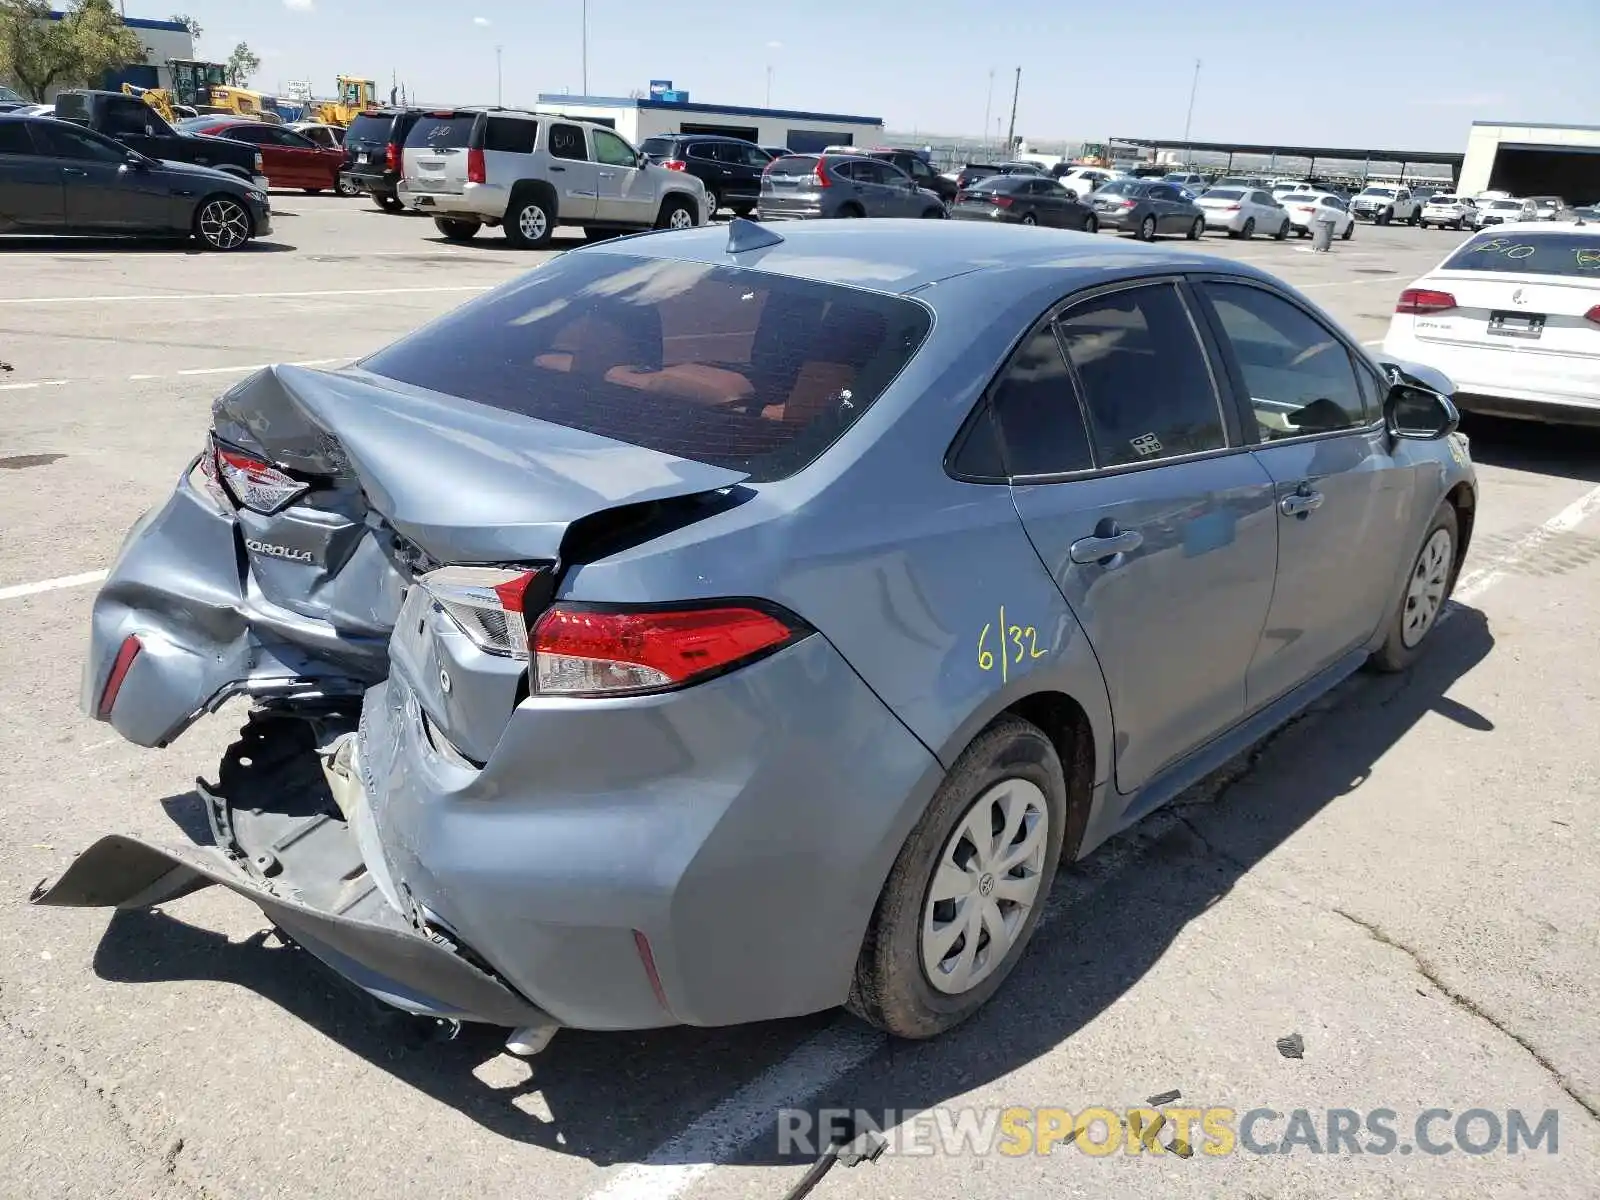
column 1018, row 644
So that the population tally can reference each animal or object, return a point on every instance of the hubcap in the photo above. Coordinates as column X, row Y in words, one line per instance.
column 532, row 222
column 984, row 885
column 224, row 225
column 1425, row 592
column 681, row 218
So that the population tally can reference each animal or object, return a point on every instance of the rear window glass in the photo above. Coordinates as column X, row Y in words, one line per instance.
column 657, row 147
column 995, row 183
column 369, row 129
column 1571, row 255
column 794, row 164
column 510, row 135
column 1443, row 200
column 742, row 369
column 72, row 106
column 1224, row 194
column 1122, row 187
column 442, row 133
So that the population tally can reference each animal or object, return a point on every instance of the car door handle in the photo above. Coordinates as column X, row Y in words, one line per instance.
column 73, row 171
column 554, row 168
column 1300, row 504
column 608, row 174
column 1097, row 549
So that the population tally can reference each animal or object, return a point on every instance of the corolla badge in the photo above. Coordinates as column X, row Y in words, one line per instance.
column 273, row 550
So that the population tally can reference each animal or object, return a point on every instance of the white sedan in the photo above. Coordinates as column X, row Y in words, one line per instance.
column 1305, row 208
column 1513, row 317
column 1244, row 212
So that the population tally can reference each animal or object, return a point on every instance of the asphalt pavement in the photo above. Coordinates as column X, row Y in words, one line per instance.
column 1404, row 878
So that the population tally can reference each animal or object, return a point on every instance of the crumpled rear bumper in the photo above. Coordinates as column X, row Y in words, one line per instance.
column 303, row 868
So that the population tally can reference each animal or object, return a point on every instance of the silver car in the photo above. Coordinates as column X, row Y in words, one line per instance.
column 836, row 185
column 529, row 172
column 725, row 625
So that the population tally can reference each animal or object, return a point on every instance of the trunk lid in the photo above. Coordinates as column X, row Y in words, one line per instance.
column 436, row 152
column 1539, row 316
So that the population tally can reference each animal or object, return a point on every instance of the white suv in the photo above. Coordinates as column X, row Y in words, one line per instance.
column 529, row 172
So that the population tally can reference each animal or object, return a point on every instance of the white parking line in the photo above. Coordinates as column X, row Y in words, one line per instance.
column 680, row 1162
column 1349, row 282
column 191, row 296
column 50, row 585
column 39, row 383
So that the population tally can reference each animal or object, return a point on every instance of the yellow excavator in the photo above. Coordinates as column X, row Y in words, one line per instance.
column 355, row 97
column 202, row 87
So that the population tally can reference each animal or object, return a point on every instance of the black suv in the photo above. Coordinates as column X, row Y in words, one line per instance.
column 374, row 154
column 729, row 167
column 914, row 165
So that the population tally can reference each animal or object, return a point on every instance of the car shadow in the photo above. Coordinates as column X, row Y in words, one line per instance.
column 616, row 1097
column 1565, row 451
column 564, row 238
column 131, row 245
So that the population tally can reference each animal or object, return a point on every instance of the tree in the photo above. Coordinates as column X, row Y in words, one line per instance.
column 242, row 64
column 188, row 23
column 41, row 53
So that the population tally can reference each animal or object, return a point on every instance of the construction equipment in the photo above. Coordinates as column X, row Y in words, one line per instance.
column 204, row 87
column 355, row 97
column 159, row 99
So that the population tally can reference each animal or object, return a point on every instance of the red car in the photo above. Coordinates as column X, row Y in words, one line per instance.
column 291, row 160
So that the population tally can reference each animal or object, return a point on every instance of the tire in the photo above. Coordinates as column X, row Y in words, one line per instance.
column 743, row 210
column 676, row 213
column 1386, row 217
column 1349, row 232
column 312, row 191
column 1197, row 230
column 1283, row 232
column 934, row 214
column 457, row 230
column 346, row 189
column 1147, row 229
column 529, row 223
column 1424, row 224
column 1249, row 230
column 851, row 212
column 1010, row 763
column 389, row 204
column 221, row 223
column 1416, row 217
column 1429, row 582
column 1029, row 219
column 594, row 233
column 713, row 204
column 1091, row 224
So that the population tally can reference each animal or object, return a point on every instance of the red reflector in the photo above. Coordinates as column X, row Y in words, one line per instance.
column 477, row 172
column 1422, row 300
column 1593, row 314
column 648, row 958
column 675, row 164
column 119, row 671
column 599, row 652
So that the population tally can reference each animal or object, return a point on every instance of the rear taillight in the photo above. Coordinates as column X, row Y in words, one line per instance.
column 256, row 484
column 1002, row 201
column 675, row 164
column 1230, row 208
column 126, row 653
column 607, row 652
column 391, row 157
column 1422, row 300
column 488, row 604
column 1135, row 204
column 821, row 175
column 1593, row 314
column 477, row 172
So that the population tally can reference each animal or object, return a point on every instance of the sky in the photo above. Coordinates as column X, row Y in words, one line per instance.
column 1362, row 74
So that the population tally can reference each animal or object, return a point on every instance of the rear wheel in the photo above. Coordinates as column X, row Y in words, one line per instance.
column 743, row 210
column 1283, row 231
column 851, row 212
column 934, row 214
column 1423, row 594
column 221, row 223
column 345, row 188
column 1147, row 229
column 456, row 229
column 713, row 204
column 389, row 204
column 676, row 213
column 1198, row 229
column 1029, row 219
column 529, row 224
column 966, row 891
column 1416, row 217
column 1091, row 224
column 1348, row 231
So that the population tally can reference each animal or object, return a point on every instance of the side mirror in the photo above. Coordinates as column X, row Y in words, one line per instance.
column 136, row 160
column 1419, row 414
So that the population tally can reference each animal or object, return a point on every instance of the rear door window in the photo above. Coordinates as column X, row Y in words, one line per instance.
column 744, row 369
column 566, row 141
column 1297, row 372
column 1145, row 377
column 510, row 135
column 442, row 132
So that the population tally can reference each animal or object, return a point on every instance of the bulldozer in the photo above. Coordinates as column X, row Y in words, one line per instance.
column 204, row 87
column 355, row 97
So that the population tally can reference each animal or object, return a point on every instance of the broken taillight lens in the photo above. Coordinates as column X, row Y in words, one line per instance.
column 255, row 483
column 488, row 604
column 588, row 651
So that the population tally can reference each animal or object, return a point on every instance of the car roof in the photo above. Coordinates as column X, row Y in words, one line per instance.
column 901, row 256
column 698, row 137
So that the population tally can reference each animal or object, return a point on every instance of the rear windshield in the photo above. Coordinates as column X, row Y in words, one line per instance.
column 73, row 106
column 1572, row 255
column 1507, row 205
column 995, row 183
column 657, row 147
column 1224, row 194
column 442, row 133
column 1444, row 200
column 367, row 128
column 1122, row 187
column 743, row 369
column 793, row 164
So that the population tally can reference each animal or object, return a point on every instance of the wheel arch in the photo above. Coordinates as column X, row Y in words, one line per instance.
column 1464, row 499
column 688, row 197
column 540, row 189
column 1065, row 722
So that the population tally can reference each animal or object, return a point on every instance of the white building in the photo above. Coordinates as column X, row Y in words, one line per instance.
column 1533, row 160
column 162, row 40
column 638, row 119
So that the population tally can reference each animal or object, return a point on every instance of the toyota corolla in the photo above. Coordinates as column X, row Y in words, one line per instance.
column 721, row 625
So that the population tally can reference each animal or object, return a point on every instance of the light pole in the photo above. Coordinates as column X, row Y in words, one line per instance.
column 1011, row 133
column 988, row 103
column 585, row 47
column 1188, row 120
column 499, row 92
